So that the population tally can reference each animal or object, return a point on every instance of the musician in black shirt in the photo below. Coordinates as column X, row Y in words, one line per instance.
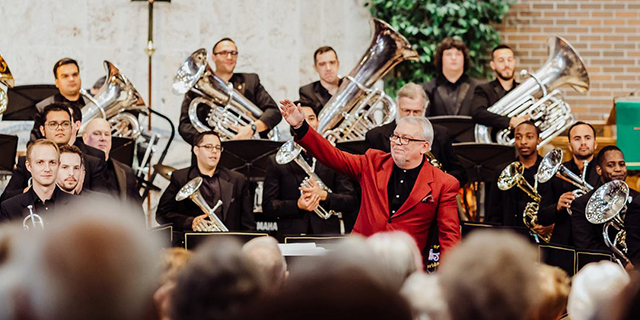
column 318, row 93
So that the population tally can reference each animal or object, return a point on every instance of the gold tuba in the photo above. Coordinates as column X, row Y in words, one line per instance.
column 550, row 112
column 552, row 164
column 350, row 112
column 227, row 106
column 6, row 82
column 114, row 100
column 190, row 190
column 606, row 206
column 513, row 175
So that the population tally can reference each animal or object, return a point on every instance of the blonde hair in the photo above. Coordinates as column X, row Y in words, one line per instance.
column 172, row 261
column 41, row 142
column 555, row 286
column 413, row 91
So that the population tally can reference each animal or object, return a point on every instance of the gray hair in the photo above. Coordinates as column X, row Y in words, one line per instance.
column 595, row 286
column 266, row 255
column 397, row 254
column 425, row 125
column 413, row 91
column 424, row 294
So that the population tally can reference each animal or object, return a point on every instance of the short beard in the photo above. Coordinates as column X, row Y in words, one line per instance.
column 504, row 78
column 581, row 157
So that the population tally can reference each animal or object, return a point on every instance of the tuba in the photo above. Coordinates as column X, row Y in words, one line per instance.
column 6, row 82
column 552, row 164
column 550, row 112
column 33, row 219
column 190, row 190
column 114, row 101
column 512, row 176
column 227, row 106
column 350, row 112
column 606, row 206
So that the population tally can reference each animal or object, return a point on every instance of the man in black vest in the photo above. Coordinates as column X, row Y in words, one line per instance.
column 318, row 93
column 225, row 54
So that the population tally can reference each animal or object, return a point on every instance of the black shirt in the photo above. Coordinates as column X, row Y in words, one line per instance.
column 447, row 98
column 16, row 207
column 400, row 185
column 210, row 189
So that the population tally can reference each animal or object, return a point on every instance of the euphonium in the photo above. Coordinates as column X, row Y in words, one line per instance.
column 32, row 217
column 552, row 164
column 114, row 101
column 349, row 114
column 606, row 206
column 513, row 175
column 290, row 151
column 228, row 107
column 6, row 82
column 550, row 112
column 190, row 190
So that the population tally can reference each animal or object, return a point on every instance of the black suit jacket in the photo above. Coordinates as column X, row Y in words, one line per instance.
column 127, row 183
column 486, row 95
column 248, row 84
column 16, row 207
column 94, row 179
column 315, row 95
column 378, row 138
column 438, row 105
column 35, row 132
column 237, row 203
column 281, row 193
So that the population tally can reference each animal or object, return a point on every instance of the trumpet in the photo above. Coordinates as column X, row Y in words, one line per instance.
column 551, row 165
column 606, row 206
column 190, row 190
column 513, row 175
column 32, row 218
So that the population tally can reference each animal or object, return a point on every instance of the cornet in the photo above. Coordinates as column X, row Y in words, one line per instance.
column 33, row 219
column 190, row 190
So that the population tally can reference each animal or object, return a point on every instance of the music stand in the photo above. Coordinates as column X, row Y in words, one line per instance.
column 9, row 147
column 194, row 239
column 354, row 147
column 249, row 157
column 558, row 256
column 123, row 149
column 461, row 128
column 23, row 100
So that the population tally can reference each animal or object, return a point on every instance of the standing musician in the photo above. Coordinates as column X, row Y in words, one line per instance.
column 400, row 190
column 225, row 55
column 67, row 79
column 42, row 162
column 610, row 165
column 58, row 127
column 503, row 62
column 292, row 205
column 218, row 184
column 411, row 101
column 451, row 92
column 318, row 93
column 553, row 208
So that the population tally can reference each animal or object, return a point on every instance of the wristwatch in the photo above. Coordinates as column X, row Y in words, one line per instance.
column 254, row 128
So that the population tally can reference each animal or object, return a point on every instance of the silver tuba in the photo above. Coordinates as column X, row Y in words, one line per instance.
column 114, row 101
column 606, row 206
column 550, row 112
column 32, row 219
column 552, row 164
column 6, row 82
column 227, row 106
column 350, row 112
column 190, row 190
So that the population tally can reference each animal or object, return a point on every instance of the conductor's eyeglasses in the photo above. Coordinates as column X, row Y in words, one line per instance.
column 401, row 140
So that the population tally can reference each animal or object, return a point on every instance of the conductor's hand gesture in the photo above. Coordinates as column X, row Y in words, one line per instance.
column 291, row 113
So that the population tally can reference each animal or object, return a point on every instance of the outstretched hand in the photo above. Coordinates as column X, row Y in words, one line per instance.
column 291, row 113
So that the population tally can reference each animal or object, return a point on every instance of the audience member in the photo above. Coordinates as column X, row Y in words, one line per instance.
column 172, row 262
column 266, row 255
column 554, row 284
column 595, row 286
column 397, row 254
column 424, row 294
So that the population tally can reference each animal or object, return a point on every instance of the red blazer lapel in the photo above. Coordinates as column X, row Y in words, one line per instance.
column 421, row 189
column 383, row 182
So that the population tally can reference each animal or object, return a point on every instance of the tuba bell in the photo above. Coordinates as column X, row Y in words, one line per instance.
column 227, row 106
column 550, row 112
column 606, row 206
column 190, row 190
column 114, row 101
column 551, row 165
column 6, row 82
column 349, row 114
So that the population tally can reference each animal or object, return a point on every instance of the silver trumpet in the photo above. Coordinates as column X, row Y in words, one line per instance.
column 606, row 206
column 290, row 151
column 190, row 190
column 552, row 164
column 33, row 219
column 6, row 82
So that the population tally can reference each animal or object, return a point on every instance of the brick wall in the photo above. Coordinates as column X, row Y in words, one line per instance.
column 606, row 34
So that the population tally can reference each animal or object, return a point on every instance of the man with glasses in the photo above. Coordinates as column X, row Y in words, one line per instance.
column 218, row 183
column 400, row 190
column 57, row 127
column 225, row 54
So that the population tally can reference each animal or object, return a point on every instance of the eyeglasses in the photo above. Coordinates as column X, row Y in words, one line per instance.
column 211, row 148
column 226, row 53
column 403, row 140
column 52, row 125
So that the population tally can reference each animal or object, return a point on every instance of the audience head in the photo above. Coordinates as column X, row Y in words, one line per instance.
column 610, row 164
column 71, row 168
column 43, row 161
column 503, row 62
column 97, row 134
column 596, row 285
column 326, row 64
column 397, row 255
column 411, row 139
column 554, row 284
column 208, row 149
column 225, row 55
column 452, row 56
column 266, row 255
column 582, row 140
column 173, row 261
column 424, row 294
column 411, row 100
column 67, row 75
column 527, row 138
column 494, row 274
column 56, row 124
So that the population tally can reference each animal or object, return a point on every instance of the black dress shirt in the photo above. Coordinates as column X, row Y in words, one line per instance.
column 16, row 207
column 485, row 96
column 210, row 189
column 446, row 98
column 315, row 95
column 400, row 185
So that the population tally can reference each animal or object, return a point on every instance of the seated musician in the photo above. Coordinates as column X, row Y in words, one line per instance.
column 224, row 55
column 42, row 162
column 610, row 165
column 219, row 183
column 400, row 191
column 507, row 207
column 553, row 208
column 119, row 177
column 503, row 62
column 318, row 93
column 57, row 127
column 411, row 100
column 293, row 205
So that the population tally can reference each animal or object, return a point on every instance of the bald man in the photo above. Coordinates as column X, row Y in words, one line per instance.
column 119, row 177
